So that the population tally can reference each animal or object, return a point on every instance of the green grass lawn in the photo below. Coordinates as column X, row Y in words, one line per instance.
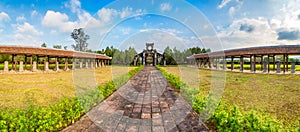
column 275, row 95
column 21, row 90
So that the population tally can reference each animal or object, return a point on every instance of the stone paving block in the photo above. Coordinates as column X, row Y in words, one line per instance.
column 145, row 129
column 158, row 128
column 157, row 121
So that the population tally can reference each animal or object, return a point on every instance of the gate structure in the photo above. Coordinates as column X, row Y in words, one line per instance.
column 149, row 56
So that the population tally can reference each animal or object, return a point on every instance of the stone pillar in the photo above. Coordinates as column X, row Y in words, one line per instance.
column 287, row 63
column 37, row 62
column 13, row 63
column 268, row 63
column 46, row 66
column 102, row 63
column 56, row 64
column 25, row 62
column 31, row 65
column 80, row 64
column 99, row 63
column 74, row 64
column 96, row 63
column 278, row 67
column 261, row 62
column 218, row 63
column 66, row 64
column 92, row 64
column 34, row 69
column 86, row 64
column 134, row 62
column 144, row 59
column 200, row 63
column 232, row 63
column 21, row 69
column 283, row 63
column 224, row 64
column 6, row 66
column 293, row 67
column 264, row 66
column 105, row 63
column 165, row 63
column 274, row 61
column 211, row 62
column 154, row 59
column 242, row 64
column 254, row 64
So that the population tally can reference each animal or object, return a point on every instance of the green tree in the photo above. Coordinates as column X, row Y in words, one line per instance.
column 81, row 39
column 57, row 46
column 44, row 45
column 129, row 55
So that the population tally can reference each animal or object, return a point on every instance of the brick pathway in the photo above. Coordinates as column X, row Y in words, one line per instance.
column 145, row 103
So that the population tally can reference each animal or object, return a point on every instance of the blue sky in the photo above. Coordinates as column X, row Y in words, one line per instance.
column 215, row 24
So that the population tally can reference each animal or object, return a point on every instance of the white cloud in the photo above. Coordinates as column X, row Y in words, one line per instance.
column 1, row 30
column 248, row 32
column 74, row 5
column 87, row 21
column 21, row 18
column 4, row 16
column 126, row 12
column 25, row 40
column 223, row 3
column 58, row 20
column 165, row 7
column 106, row 14
column 33, row 13
column 28, row 28
column 53, row 31
column 289, row 15
column 125, row 31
